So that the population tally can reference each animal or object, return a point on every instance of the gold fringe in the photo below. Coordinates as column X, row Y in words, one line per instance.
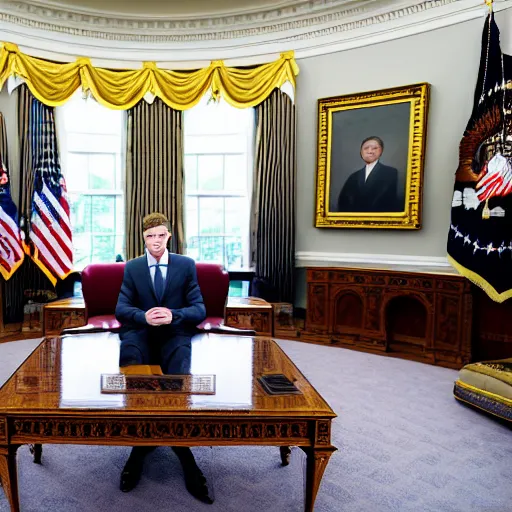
column 488, row 394
column 481, row 282
column 46, row 271
column 7, row 275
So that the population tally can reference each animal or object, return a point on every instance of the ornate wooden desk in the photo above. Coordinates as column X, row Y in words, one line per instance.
column 54, row 397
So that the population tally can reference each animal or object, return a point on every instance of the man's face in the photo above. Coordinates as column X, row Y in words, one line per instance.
column 371, row 151
column 156, row 240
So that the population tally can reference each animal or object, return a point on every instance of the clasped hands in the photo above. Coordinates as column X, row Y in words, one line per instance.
column 158, row 316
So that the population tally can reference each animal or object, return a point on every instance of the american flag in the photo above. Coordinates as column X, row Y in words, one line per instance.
column 50, row 227
column 11, row 246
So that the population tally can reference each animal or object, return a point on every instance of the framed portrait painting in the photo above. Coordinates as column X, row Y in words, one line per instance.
column 371, row 149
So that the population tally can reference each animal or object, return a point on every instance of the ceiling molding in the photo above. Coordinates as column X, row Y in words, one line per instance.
column 267, row 11
column 310, row 28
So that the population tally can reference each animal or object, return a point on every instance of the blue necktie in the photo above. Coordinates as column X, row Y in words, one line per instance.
column 159, row 283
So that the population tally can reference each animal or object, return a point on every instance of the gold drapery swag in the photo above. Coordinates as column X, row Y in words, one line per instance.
column 54, row 83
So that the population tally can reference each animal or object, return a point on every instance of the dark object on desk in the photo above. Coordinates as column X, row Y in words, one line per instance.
column 278, row 384
column 191, row 384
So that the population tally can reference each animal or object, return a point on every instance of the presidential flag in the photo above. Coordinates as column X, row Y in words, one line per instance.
column 11, row 246
column 480, row 235
column 50, row 228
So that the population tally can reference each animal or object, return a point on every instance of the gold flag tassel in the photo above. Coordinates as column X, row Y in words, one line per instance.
column 486, row 213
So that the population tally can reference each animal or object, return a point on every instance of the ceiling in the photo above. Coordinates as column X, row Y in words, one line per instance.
column 177, row 8
column 189, row 33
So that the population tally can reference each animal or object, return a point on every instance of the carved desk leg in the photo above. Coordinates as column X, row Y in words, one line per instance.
column 285, row 455
column 37, row 451
column 9, row 476
column 317, row 459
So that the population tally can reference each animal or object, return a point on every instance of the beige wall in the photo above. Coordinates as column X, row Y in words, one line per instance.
column 446, row 58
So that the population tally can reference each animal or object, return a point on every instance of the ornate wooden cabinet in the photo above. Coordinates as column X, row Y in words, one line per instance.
column 418, row 315
column 249, row 313
column 63, row 314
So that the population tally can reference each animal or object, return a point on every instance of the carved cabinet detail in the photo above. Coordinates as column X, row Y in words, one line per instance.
column 418, row 315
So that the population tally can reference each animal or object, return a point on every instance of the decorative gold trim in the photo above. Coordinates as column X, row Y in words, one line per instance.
column 417, row 95
column 488, row 394
column 481, row 282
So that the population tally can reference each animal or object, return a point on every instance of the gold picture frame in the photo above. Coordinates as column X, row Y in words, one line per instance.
column 364, row 192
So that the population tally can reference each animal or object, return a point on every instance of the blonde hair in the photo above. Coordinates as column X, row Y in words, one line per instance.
column 153, row 220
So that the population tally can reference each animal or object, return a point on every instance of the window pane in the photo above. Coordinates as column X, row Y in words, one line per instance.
column 234, row 252
column 236, row 220
column 193, row 249
column 215, row 143
column 103, row 249
column 81, row 250
column 210, row 173
column 76, row 172
column 191, row 172
column 211, row 215
column 103, row 220
column 219, row 145
column 91, row 138
column 102, row 172
column 80, row 207
column 235, row 172
column 191, row 217
column 212, row 249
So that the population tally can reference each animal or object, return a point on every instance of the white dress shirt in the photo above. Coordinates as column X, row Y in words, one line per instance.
column 164, row 260
column 369, row 169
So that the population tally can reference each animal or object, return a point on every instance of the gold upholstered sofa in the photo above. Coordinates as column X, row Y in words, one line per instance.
column 487, row 386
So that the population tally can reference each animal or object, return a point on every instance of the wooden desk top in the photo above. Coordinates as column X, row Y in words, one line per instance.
column 62, row 377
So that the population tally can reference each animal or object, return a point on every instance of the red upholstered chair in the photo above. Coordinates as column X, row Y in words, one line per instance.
column 214, row 283
column 101, row 283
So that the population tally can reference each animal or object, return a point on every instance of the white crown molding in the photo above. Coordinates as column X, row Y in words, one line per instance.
column 333, row 259
column 269, row 11
column 309, row 28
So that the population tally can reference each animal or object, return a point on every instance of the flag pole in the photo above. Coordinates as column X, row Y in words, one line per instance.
column 489, row 4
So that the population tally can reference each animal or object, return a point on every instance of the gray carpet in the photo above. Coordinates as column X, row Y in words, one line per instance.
column 404, row 444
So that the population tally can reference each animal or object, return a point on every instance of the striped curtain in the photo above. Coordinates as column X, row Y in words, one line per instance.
column 4, row 157
column 154, row 172
column 273, row 203
column 25, row 142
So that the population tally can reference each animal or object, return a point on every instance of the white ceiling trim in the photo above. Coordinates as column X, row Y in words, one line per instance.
column 340, row 29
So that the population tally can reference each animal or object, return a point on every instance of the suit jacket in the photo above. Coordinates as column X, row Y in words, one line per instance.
column 181, row 295
column 376, row 194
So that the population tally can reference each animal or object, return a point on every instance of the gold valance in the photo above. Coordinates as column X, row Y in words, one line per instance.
column 54, row 83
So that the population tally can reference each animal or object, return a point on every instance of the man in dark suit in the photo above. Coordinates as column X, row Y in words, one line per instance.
column 159, row 305
column 372, row 188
